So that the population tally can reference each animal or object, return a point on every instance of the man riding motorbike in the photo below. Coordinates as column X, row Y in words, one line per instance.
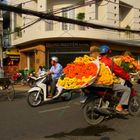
column 55, row 72
column 118, row 71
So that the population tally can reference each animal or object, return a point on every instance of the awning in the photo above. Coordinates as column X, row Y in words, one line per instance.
column 12, row 53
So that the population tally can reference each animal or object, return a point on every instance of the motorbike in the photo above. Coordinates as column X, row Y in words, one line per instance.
column 32, row 79
column 101, row 101
column 16, row 78
column 39, row 93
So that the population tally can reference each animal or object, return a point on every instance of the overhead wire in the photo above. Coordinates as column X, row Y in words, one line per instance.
column 54, row 12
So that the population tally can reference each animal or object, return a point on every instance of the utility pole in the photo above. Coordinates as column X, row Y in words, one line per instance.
column 51, row 16
column 1, row 39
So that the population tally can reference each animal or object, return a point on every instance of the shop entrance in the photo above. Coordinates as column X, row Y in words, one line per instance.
column 65, row 58
column 66, row 55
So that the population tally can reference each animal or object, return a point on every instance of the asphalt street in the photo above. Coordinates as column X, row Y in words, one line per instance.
column 59, row 121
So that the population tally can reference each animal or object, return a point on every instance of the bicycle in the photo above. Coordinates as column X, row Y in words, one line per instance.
column 7, row 88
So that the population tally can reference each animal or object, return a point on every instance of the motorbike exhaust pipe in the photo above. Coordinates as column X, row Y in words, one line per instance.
column 102, row 111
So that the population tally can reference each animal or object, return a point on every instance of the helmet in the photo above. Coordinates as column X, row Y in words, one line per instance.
column 54, row 58
column 104, row 49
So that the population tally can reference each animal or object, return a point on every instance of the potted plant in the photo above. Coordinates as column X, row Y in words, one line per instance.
column 128, row 28
column 18, row 30
column 81, row 16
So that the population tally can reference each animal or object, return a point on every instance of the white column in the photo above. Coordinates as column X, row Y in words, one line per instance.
column 28, row 62
column 113, row 13
column 42, row 5
column 90, row 12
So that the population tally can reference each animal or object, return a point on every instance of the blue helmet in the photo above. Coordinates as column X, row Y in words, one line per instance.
column 104, row 49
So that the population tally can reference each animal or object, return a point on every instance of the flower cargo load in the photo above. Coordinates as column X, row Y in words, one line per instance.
column 78, row 74
column 128, row 63
column 83, row 72
column 105, row 76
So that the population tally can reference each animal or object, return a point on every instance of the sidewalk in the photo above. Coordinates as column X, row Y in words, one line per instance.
column 21, row 87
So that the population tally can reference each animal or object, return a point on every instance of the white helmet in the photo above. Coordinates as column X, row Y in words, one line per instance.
column 54, row 58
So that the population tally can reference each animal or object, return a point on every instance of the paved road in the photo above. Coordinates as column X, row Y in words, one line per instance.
column 59, row 121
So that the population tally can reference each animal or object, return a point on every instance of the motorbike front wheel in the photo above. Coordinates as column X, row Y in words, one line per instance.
column 31, row 99
column 134, row 106
column 90, row 115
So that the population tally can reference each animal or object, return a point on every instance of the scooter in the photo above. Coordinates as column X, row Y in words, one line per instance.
column 39, row 93
column 100, row 103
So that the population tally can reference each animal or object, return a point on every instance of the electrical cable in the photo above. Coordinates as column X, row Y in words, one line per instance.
column 22, row 28
column 32, row 23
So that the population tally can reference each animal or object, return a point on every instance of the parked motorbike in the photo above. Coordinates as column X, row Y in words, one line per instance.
column 16, row 78
column 39, row 93
column 101, row 102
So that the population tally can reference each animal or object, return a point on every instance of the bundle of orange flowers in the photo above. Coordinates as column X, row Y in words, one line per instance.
column 129, row 64
column 79, row 73
column 78, row 70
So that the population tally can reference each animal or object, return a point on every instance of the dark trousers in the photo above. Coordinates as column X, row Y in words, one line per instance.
column 53, row 86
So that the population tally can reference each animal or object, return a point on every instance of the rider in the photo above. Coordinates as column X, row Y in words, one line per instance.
column 55, row 72
column 118, row 71
column 41, row 71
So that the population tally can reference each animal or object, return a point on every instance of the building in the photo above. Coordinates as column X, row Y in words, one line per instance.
column 11, row 56
column 45, row 38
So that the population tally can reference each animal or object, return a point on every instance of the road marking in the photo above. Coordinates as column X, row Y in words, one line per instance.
column 54, row 109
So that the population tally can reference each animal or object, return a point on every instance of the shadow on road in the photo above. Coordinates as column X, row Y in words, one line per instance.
column 20, row 96
column 105, row 138
column 58, row 100
column 88, row 131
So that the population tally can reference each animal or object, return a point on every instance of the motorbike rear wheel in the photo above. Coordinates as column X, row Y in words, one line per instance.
column 31, row 99
column 134, row 106
column 90, row 115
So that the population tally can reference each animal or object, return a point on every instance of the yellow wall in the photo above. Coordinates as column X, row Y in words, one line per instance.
column 39, row 52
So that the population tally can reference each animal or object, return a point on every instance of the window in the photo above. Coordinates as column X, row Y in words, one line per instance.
column 49, row 25
column 68, row 14
column 124, row 14
column 65, row 25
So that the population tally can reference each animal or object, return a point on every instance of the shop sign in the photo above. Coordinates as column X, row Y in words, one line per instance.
column 15, row 58
column 68, row 44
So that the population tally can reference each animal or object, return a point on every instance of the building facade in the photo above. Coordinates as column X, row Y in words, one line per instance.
column 11, row 56
column 46, row 38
